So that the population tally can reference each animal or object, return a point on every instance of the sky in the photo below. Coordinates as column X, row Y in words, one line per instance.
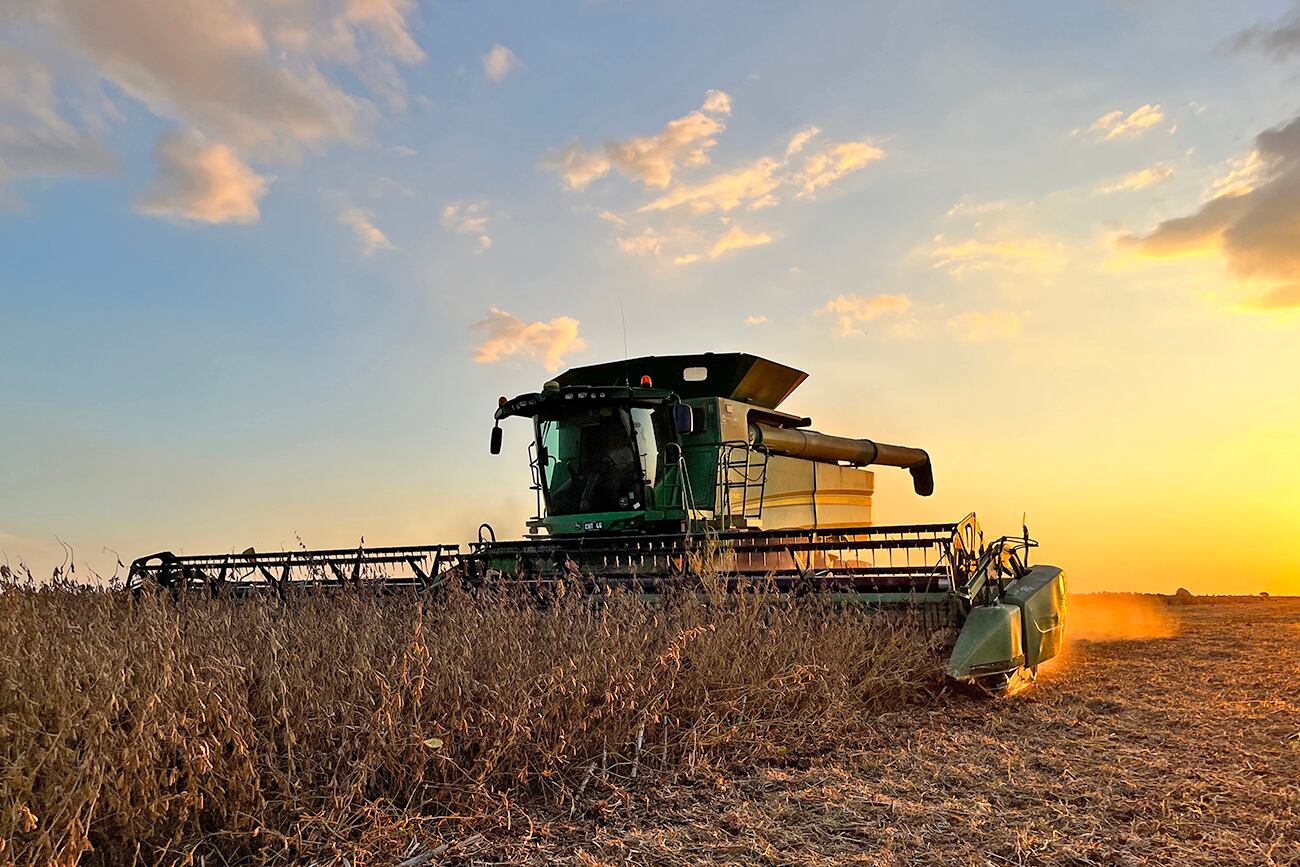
column 267, row 265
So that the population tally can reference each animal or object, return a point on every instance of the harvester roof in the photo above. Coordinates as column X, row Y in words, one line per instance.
column 735, row 375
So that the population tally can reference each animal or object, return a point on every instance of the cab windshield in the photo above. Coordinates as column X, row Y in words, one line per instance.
column 599, row 459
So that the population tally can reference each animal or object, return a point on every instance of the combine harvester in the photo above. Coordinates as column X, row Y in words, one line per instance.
column 638, row 485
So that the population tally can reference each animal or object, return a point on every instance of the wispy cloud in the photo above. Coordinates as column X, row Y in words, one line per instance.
column 1116, row 124
column 249, row 76
column 735, row 238
column 824, row 168
column 969, row 207
column 1256, row 226
column 367, row 233
column 983, row 326
column 755, row 319
column 499, row 62
column 1280, row 38
column 202, row 181
column 1018, row 254
column 661, row 161
column 799, row 139
column 851, row 312
column 469, row 218
column 506, row 335
column 648, row 243
column 1140, row 179
column 751, row 186
column 650, row 159
column 41, row 134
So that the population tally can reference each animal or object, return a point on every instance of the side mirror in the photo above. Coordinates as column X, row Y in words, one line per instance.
column 496, row 441
column 683, row 419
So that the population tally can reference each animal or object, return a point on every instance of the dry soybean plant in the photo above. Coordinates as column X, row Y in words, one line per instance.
column 201, row 730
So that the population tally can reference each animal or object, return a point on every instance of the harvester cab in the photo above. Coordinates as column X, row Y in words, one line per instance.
column 651, row 471
column 688, row 443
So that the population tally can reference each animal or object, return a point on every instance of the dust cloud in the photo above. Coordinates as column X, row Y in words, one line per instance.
column 1118, row 617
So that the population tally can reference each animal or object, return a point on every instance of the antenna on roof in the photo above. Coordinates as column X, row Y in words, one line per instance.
column 627, row 380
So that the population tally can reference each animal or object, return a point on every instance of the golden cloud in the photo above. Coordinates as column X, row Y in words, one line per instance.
column 650, row 159
column 202, row 181
column 371, row 238
column 648, row 243
column 979, row 327
column 1140, row 179
column 852, row 311
column 506, row 335
column 1012, row 254
column 468, row 218
column 499, row 62
column 751, row 186
column 1116, row 124
column 824, row 168
column 1256, row 226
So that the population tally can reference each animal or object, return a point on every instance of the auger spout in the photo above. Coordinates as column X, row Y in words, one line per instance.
column 812, row 445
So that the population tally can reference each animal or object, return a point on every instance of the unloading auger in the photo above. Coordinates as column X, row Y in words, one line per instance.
column 634, row 483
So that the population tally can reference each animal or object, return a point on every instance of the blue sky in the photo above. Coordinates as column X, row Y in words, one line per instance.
column 249, row 254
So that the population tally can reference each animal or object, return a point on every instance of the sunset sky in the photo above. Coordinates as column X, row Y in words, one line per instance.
column 266, row 265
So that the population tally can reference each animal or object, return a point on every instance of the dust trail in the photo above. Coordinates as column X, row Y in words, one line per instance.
column 1118, row 617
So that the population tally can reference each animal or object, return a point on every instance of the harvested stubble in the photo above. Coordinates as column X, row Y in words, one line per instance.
column 222, row 731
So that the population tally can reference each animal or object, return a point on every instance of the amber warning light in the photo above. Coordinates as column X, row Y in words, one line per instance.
column 646, row 381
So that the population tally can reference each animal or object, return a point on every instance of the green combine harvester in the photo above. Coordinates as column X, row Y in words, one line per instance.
column 649, row 470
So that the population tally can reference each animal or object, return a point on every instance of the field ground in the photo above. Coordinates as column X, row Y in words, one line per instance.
column 481, row 728
column 1181, row 750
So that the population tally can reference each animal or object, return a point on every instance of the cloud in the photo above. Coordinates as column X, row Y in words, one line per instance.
column 756, row 185
column 250, row 74
column 1280, row 38
column 799, row 139
column 370, row 236
column 202, row 181
column 737, row 238
column 852, row 311
column 660, row 162
column 1256, row 227
column 648, row 243
column 611, row 217
column 1116, row 125
column 1016, row 254
column 755, row 320
column 651, row 159
column 37, row 135
column 212, row 65
column 716, row 102
column 824, row 168
column 734, row 238
column 969, row 207
column 578, row 166
column 1243, row 175
column 506, row 335
column 499, row 62
column 751, row 186
column 1141, row 179
column 467, row 218
column 978, row 327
